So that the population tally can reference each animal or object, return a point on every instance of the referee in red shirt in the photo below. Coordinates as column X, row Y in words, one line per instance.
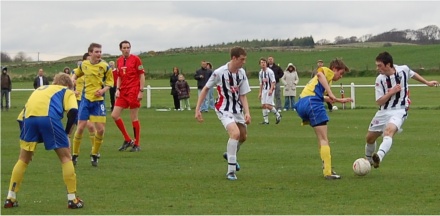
column 129, row 92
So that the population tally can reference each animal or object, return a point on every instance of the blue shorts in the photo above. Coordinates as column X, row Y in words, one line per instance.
column 94, row 111
column 311, row 110
column 44, row 129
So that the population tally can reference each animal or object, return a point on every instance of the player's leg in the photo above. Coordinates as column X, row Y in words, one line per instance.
column 92, row 132
column 370, row 144
column 121, row 104
column 134, row 115
column 18, row 174
column 231, row 149
column 83, row 117
column 392, row 127
column 324, row 148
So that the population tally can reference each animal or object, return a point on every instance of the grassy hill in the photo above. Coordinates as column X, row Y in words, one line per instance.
column 359, row 57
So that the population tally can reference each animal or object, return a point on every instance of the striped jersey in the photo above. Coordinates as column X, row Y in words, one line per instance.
column 384, row 83
column 229, row 88
column 266, row 78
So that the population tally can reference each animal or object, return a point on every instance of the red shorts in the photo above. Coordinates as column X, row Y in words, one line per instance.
column 128, row 100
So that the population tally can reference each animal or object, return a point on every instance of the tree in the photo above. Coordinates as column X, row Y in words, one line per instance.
column 5, row 57
column 22, row 57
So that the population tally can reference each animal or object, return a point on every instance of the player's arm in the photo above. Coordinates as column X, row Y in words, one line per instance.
column 247, row 114
column 20, row 119
column 71, row 116
column 71, row 107
column 381, row 96
column 200, row 100
column 420, row 79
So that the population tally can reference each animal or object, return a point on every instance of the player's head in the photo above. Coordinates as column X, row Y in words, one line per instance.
column 238, row 57
column 263, row 62
column 95, row 51
column 125, row 47
column 339, row 68
column 63, row 79
column 86, row 56
column 384, row 62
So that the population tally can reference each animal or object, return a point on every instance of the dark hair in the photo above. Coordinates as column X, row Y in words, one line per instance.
column 262, row 59
column 92, row 46
column 237, row 52
column 85, row 56
column 338, row 64
column 123, row 42
column 385, row 58
column 210, row 65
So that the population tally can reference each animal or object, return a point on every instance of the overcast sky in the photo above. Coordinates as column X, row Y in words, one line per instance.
column 56, row 29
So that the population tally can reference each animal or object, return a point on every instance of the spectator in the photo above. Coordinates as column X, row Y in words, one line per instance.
column 40, row 80
column 173, row 79
column 183, row 91
column 202, row 75
column 290, row 80
column 66, row 70
column 278, row 74
column 211, row 99
column 112, row 90
column 6, row 86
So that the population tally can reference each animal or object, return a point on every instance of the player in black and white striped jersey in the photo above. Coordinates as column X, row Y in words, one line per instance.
column 231, row 107
column 392, row 96
column 266, row 94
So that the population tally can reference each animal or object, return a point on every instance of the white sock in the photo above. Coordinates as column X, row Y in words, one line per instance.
column 71, row 196
column 369, row 150
column 232, row 154
column 265, row 115
column 11, row 194
column 385, row 146
column 275, row 111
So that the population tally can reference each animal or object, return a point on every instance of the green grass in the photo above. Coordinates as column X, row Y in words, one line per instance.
column 357, row 58
column 180, row 169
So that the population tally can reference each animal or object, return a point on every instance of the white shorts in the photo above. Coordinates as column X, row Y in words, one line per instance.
column 227, row 118
column 383, row 117
column 266, row 99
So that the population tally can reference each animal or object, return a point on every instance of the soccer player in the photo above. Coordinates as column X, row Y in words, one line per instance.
column 232, row 107
column 40, row 121
column 129, row 92
column 311, row 110
column 98, row 78
column 79, row 87
column 392, row 96
column 266, row 93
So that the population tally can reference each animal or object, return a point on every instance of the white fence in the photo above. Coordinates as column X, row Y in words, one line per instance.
column 352, row 90
column 150, row 89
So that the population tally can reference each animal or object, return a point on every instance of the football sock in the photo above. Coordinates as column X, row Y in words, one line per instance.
column 136, row 130
column 16, row 178
column 326, row 160
column 232, row 154
column 97, row 144
column 92, row 139
column 369, row 150
column 275, row 111
column 385, row 146
column 76, row 143
column 71, row 196
column 265, row 115
column 121, row 127
column 69, row 177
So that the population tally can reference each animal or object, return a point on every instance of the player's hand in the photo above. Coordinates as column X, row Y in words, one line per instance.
column 433, row 83
column 270, row 92
column 117, row 93
column 98, row 93
column 76, row 93
column 140, row 95
column 247, row 119
column 198, row 116
column 259, row 96
column 345, row 100
column 395, row 89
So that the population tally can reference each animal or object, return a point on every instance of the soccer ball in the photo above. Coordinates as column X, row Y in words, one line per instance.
column 334, row 108
column 361, row 166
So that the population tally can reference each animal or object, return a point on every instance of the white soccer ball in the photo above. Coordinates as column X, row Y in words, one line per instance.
column 334, row 108
column 361, row 166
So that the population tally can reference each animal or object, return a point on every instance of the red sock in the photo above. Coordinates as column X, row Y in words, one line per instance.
column 121, row 127
column 136, row 130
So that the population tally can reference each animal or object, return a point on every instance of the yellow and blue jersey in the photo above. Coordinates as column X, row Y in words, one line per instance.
column 314, row 87
column 96, row 77
column 49, row 100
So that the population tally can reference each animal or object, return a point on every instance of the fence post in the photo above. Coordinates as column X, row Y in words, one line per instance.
column 148, row 96
column 353, row 93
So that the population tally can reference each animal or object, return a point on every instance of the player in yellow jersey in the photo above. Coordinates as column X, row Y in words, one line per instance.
column 98, row 79
column 79, row 86
column 40, row 121
column 310, row 108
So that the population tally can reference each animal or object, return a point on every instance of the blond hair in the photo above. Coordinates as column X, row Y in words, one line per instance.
column 62, row 79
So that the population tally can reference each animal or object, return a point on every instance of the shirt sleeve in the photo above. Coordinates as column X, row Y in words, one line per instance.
column 70, row 101
column 140, row 67
column 244, row 86
column 213, row 80
column 379, row 88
